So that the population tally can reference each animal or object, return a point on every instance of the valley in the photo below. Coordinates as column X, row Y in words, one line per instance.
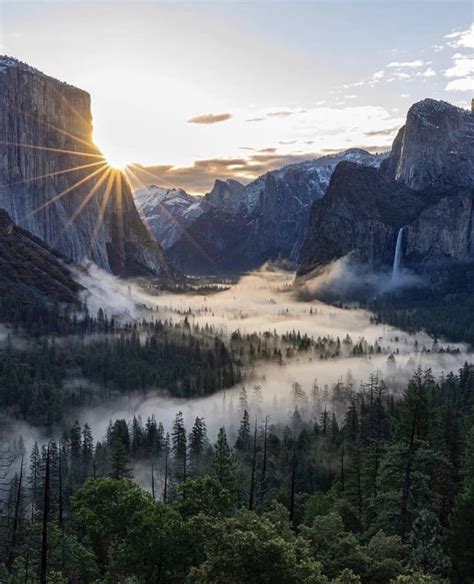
column 271, row 380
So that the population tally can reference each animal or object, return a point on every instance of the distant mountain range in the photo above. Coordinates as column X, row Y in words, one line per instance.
column 235, row 227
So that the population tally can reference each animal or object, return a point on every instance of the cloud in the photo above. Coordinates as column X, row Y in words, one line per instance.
column 463, row 70
column 461, row 38
column 463, row 65
column 407, row 64
column 209, row 119
column 377, row 149
column 460, row 85
column 256, row 120
column 383, row 132
column 280, row 114
column 200, row 176
column 319, row 128
column 428, row 73
column 263, row 150
column 401, row 75
column 355, row 84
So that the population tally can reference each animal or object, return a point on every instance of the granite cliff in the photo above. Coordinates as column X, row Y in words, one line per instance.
column 55, row 182
column 426, row 185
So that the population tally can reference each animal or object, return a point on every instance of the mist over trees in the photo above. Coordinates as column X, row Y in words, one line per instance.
column 383, row 493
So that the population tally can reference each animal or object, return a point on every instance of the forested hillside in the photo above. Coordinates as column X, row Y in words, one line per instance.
column 386, row 494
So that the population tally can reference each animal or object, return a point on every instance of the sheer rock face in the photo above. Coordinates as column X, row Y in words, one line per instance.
column 55, row 183
column 435, row 148
column 228, row 195
column 426, row 185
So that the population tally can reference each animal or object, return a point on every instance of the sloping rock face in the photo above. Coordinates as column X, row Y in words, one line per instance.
column 30, row 271
column 55, row 183
column 426, row 185
column 269, row 216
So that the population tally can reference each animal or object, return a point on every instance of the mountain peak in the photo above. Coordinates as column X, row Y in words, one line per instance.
column 435, row 147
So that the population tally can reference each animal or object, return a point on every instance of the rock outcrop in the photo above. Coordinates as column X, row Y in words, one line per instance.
column 426, row 185
column 55, row 183
column 435, row 148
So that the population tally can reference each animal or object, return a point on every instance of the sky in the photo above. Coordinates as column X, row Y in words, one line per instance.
column 200, row 90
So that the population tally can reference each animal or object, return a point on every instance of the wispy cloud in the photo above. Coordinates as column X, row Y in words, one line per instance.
column 383, row 132
column 461, row 38
column 407, row 64
column 280, row 114
column 209, row 119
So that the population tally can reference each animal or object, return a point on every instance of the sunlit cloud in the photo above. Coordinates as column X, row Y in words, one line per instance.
column 199, row 177
column 209, row 119
column 383, row 132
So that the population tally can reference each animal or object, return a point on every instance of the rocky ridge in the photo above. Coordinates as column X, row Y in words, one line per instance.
column 426, row 185
column 268, row 217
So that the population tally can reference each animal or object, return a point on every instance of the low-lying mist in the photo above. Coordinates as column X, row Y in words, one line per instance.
column 345, row 280
column 265, row 300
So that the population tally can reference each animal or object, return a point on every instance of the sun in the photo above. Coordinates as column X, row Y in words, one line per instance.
column 117, row 162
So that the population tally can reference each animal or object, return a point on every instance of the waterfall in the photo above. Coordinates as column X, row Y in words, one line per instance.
column 398, row 256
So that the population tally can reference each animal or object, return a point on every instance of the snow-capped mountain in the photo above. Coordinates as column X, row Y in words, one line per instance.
column 270, row 215
column 166, row 211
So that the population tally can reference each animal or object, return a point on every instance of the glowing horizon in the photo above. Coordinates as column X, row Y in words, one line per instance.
column 201, row 91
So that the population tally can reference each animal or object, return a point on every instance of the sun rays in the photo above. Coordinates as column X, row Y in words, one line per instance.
column 128, row 171
column 97, row 180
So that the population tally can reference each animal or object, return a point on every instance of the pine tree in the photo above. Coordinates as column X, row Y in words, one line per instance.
column 223, row 461
column 197, row 444
column 179, row 447
column 87, row 454
column 243, row 438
